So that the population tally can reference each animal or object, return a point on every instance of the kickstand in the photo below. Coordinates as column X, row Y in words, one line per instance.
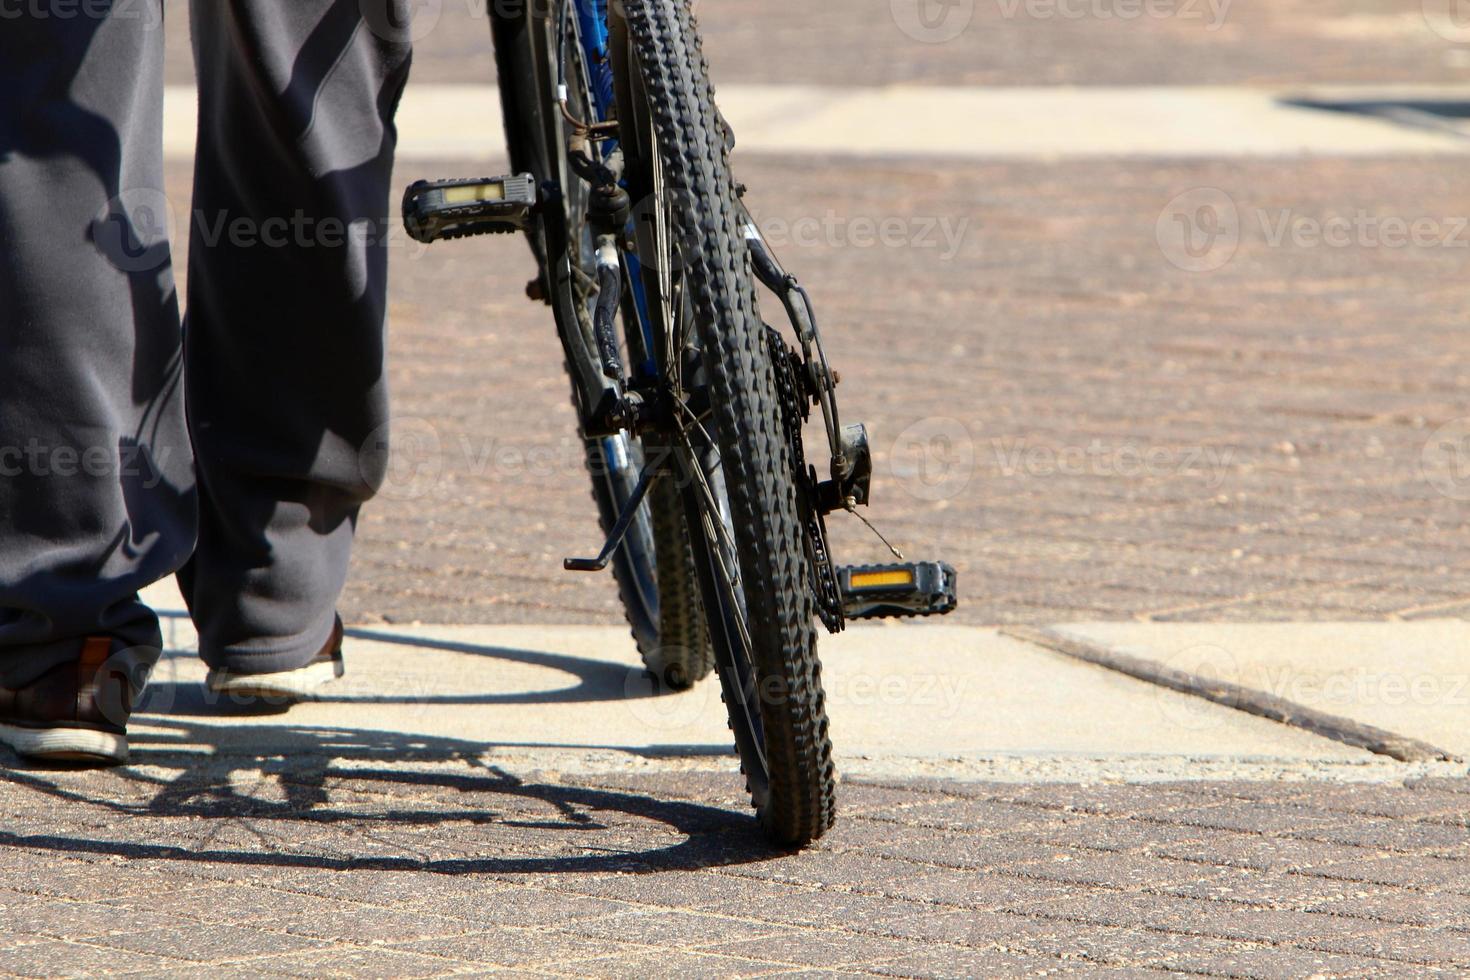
column 620, row 529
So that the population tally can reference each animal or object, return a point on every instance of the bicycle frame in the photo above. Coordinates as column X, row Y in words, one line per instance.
column 603, row 406
column 594, row 34
column 571, row 144
column 606, row 405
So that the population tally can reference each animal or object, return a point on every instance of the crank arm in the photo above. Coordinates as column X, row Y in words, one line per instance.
column 620, row 529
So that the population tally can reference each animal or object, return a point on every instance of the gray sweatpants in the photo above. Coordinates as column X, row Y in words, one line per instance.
column 280, row 361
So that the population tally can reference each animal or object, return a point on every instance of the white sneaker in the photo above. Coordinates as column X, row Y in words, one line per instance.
column 302, row 684
column 79, row 745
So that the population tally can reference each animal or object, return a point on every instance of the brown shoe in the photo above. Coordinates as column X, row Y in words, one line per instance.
column 73, row 712
column 285, row 686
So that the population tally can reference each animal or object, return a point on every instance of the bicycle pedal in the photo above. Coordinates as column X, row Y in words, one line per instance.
column 443, row 209
column 917, row 588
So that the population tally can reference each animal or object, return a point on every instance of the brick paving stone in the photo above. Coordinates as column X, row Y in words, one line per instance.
column 523, row 947
column 1112, row 835
column 1112, row 945
column 73, row 920
column 1303, row 892
column 1407, row 871
column 1409, row 944
column 57, row 958
column 804, row 974
column 83, row 882
column 467, row 897
column 818, row 949
column 692, row 890
column 1114, row 870
column 297, row 914
column 969, row 815
column 529, row 907
column 860, row 832
column 961, row 888
column 966, row 928
column 1408, row 836
column 848, row 869
column 1011, row 893
column 1442, row 909
column 376, row 964
column 959, row 964
column 672, row 928
column 1254, row 817
column 1110, row 799
column 205, row 942
column 245, row 970
column 1263, row 853
column 969, row 851
column 1216, row 957
column 1220, row 920
column 1360, row 799
column 878, row 800
column 674, row 965
column 353, row 922
column 822, row 908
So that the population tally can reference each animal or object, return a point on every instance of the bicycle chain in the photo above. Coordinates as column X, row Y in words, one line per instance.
column 796, row 409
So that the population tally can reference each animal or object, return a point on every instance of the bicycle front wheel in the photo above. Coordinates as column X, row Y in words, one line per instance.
column 738, row 488
column 536, row 47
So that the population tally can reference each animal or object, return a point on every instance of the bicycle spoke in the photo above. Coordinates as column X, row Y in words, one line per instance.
column 711, row 501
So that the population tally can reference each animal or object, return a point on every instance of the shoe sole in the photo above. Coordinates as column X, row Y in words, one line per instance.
column 302, row 684
column 65, row 744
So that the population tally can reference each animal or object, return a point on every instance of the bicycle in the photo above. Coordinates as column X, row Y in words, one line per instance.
column 691, row 406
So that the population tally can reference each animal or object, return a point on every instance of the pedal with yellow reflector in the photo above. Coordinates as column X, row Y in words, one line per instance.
column 918, row 588
column 434, row 210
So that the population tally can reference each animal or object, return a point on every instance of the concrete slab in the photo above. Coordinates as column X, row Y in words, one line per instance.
column 462, row 122
column 904, row 700
column 1410, row 678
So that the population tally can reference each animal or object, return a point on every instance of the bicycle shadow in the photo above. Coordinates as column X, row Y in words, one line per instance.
column 304, row 765
column 201, row 764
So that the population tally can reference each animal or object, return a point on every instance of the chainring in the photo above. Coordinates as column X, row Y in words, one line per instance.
column 790, row 370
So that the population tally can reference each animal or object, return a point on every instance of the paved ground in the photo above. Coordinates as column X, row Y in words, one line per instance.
column 1217, row 122
column 364, row 854
column 941, row 701
column 1015, row 42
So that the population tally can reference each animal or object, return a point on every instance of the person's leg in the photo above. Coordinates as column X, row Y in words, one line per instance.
column 96, row 484
column 285, row 326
